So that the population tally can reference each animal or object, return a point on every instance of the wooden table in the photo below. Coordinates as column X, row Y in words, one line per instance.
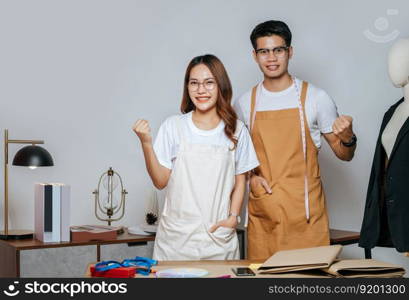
column 10, row 249
column 219, row 268
column 343, row 237
column 216, row 268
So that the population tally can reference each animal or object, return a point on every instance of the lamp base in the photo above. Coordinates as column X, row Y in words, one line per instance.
column 16, row 235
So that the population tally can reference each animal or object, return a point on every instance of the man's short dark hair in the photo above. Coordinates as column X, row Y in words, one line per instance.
column 270, row 28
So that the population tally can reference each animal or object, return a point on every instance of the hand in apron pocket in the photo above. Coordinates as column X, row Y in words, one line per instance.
column 224, row 234
column 258, row 189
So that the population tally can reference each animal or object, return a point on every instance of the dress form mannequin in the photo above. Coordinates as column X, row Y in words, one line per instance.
column 398, row 64
column 385, row 222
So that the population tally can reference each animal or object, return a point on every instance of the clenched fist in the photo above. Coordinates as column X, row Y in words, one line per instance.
column 143, row 131
column 342, row 128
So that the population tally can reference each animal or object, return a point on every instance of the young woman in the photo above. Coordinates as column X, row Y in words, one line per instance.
column 201, row 157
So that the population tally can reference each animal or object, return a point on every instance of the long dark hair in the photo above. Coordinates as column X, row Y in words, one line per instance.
column 223, row 104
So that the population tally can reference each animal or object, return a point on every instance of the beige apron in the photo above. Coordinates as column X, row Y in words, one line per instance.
column 198, row 196
column 278, row 221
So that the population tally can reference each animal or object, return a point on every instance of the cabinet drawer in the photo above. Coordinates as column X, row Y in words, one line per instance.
column 119, row 252
column 57, row 262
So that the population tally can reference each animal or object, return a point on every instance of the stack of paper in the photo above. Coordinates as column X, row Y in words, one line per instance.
column 323, row 262
column 368, row 268
column 301, row 259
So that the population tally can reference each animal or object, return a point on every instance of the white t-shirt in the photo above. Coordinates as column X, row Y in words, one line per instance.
column 320, row 109
column 167, row 141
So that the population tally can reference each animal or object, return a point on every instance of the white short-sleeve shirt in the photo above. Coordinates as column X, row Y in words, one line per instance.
column 167, row 141
column 320, row 109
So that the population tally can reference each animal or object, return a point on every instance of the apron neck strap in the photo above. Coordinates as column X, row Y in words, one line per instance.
column 179, row 129
column 303, row 96
column 253, row 107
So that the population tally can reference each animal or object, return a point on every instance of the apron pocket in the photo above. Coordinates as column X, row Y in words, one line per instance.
column 259, row 192
column 265, row 210
column 223, row 234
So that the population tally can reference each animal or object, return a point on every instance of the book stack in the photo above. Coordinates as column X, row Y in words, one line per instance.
column 52, row 212
column 87, row 233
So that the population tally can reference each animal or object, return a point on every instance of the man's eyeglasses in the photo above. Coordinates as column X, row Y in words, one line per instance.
column 277, row 51
column 208, row 84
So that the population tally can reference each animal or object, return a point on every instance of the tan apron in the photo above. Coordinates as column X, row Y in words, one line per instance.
column 198, row 196
column 278, row 221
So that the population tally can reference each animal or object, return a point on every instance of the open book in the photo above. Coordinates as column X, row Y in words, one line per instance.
column 323, row 262
column 368, row 268
column 300, row 259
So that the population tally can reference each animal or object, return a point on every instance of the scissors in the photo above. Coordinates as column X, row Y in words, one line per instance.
column 137, row 261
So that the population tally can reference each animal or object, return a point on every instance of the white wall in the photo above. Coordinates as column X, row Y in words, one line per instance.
column 79, row 73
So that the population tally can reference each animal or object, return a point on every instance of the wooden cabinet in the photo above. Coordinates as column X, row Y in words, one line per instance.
column 33, row 258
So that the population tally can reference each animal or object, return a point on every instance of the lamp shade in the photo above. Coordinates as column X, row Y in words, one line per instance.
column 33, row 156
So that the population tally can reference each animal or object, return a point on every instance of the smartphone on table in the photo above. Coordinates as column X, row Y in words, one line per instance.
column 243, row 271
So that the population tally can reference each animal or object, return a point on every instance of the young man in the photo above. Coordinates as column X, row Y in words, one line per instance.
column 287, row 117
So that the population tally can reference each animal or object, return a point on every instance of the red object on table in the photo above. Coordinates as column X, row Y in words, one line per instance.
column 122, row 272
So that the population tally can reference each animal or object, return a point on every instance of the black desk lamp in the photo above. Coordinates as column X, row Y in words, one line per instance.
column 30, row 156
